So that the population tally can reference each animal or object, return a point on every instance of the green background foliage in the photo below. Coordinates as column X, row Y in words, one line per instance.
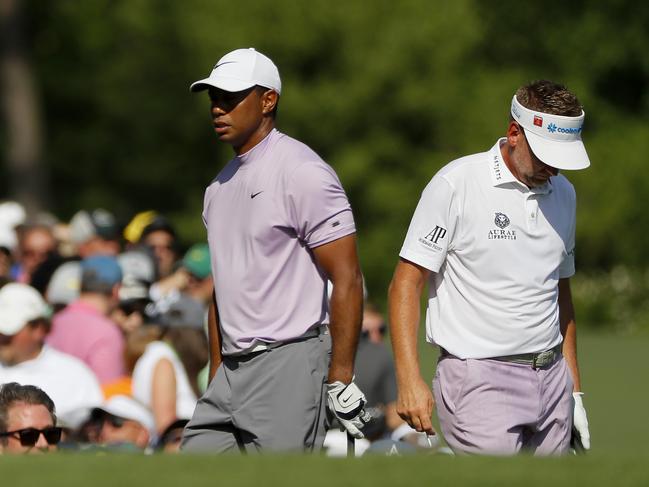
column 387, row 92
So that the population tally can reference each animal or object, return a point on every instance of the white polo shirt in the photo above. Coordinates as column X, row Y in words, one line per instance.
column 69, row 382
column 497, row 250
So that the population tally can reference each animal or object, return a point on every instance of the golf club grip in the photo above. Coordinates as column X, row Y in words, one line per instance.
column 351, row 445
column 575, row 442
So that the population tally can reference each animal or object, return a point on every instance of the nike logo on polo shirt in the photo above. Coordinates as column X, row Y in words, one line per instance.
column 252, row 195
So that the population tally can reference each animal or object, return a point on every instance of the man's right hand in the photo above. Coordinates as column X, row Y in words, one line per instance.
column 415, row 405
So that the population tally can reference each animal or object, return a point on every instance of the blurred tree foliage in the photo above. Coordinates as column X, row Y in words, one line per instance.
column 387, row 92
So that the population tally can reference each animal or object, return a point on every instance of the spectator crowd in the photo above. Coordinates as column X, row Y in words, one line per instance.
column 102, row 331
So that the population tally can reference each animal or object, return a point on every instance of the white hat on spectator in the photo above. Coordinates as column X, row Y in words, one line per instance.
column 126, row 407
column 138, row 264
column 86, row 225
column 65, row 284
column 12, row 214
column 20, row 304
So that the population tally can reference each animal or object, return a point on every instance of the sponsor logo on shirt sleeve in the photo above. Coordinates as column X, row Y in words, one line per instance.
column 433, row 237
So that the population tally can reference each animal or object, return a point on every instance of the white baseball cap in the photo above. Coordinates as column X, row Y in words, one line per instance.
column 137, row 264
column 12, row 214
column 239, row 70
column 65, row 284
column 85, row 225
column 20, row 304
column 554, row 139
column 126, row 407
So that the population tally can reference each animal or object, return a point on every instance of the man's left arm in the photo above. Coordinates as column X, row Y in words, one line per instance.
column 339, row 260
column 569, row 332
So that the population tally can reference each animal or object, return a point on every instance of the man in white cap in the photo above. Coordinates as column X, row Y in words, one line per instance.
column 279, row 224
column 494, row 236
column 94, row 232
column 121, row 421
column 26, row 359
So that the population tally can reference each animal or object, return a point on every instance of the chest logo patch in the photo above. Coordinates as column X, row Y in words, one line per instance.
column 501, row 220
column 502, row 232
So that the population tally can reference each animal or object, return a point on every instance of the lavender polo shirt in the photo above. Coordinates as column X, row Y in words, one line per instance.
column 264, row 213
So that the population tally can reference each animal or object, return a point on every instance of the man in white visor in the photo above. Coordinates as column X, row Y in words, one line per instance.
column 494, row 237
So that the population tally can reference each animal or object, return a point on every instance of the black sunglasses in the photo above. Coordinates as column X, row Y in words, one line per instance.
column 381, row 329
column 29, row 436
column 115, row 421
column 131, row 306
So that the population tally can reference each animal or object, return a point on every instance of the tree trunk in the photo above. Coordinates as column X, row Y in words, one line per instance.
column 23, row 151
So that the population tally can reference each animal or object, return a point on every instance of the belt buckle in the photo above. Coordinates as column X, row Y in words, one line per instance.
column 538, row 360
column 542, row 359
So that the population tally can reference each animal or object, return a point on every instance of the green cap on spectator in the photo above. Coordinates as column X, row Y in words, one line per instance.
column 197, row 260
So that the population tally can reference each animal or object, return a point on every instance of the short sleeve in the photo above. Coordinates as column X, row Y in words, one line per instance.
column 318, row 207
column 335, row 227
column 432, row 226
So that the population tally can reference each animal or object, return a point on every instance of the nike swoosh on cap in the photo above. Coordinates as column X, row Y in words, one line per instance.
column 224, row 63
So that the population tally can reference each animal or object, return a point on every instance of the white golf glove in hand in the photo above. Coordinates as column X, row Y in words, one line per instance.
column 580, row 421
column 346, row 402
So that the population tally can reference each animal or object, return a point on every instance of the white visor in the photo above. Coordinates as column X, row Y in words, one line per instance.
column 554, row 139
column 239, row 70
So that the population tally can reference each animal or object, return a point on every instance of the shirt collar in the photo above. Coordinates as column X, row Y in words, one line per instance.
column 501, row 175
column 254, row 152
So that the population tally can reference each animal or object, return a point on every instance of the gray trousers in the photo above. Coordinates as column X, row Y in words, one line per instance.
column 270, row 400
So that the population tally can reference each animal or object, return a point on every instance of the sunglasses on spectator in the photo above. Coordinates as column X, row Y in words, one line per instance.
column 29, row 436
column 381, row 329
column 131, row 306
column 163, row 247
column 35, row 253
column 115, row 421
column 173, row 437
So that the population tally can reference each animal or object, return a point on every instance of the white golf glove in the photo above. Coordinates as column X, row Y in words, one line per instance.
column 346, row 402
column 580, row 421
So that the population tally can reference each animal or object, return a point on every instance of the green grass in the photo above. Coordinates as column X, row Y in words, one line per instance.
column 615, row 381
column 98, row 471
